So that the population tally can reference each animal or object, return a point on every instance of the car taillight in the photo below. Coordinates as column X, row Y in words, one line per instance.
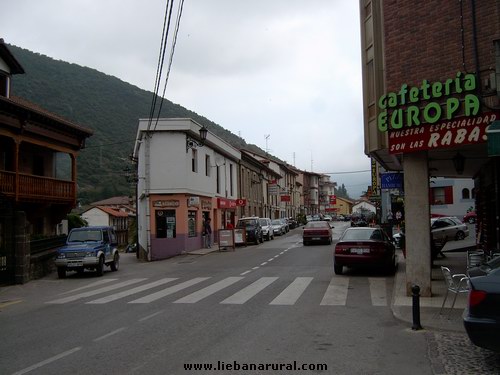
column 339, row 249
column 476, row 297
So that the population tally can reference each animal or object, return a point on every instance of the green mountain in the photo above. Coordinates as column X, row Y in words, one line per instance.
column 105, row 104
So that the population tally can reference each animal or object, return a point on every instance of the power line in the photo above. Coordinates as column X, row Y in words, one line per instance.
column 348, row 172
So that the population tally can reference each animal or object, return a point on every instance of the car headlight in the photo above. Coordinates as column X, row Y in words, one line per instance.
column 61, row 256
column 90, row 254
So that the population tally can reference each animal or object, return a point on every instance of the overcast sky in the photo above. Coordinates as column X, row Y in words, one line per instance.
column 286, row 69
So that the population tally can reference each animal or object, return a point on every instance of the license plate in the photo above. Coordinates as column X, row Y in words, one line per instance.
column 316, row 238
column 360, row 251
column 75, row 264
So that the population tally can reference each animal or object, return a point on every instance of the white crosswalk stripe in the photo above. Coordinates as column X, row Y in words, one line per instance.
column 129, row 292
column 170, row 290
column 336, row 293
column 209, row 290
column 96, row 291
column 248, row 292
column 292, row 292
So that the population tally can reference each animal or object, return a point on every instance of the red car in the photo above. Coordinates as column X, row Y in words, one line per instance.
column 317, row 231
column 364, row 247
column 470, row 217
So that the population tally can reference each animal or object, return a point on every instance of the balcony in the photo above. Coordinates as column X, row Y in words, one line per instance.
column 36, row 188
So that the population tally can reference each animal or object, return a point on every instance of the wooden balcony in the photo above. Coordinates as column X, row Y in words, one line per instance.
column 37, row 188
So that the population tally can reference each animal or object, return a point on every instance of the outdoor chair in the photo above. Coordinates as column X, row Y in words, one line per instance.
column 458, row 283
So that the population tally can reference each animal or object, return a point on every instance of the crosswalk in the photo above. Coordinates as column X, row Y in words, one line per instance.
column 227, row 291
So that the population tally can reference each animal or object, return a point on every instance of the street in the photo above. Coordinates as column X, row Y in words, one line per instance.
column 274, row 308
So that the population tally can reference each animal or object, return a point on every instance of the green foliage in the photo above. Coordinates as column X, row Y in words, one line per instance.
column 110, row 107
column 341, row 192
column 76, row 221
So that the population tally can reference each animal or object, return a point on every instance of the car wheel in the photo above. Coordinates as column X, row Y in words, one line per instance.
column 100, row 267
column 115, row 264
column 61, row 272
column 337, row 268
column 305, row 243
column 459, row 236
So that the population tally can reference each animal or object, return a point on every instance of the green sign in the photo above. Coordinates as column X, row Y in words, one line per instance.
column 399, row 109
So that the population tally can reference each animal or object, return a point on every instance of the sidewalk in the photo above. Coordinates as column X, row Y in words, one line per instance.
column 449, row 320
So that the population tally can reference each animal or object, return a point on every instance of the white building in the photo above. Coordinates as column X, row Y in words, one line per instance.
column 180, row 184
column 452, row 196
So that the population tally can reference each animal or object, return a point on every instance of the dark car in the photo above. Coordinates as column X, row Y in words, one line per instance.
column 317, row 231
column 252, row 228
column 364, row 247
column 470, row 217
column 482, row 315
column 88, row 248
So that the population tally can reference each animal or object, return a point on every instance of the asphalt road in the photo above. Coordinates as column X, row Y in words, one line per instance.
column 276, row 307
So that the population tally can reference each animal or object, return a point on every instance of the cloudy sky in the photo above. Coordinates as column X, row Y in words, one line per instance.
column 287, row 70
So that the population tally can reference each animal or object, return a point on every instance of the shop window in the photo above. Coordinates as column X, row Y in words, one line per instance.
column 192, row 224
column 465, row 193
column 165, row 224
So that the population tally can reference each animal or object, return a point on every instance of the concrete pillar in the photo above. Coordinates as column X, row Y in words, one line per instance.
column 417, row 223
column 22, row 249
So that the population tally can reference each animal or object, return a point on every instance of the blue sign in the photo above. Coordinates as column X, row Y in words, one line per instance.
column 392, row 180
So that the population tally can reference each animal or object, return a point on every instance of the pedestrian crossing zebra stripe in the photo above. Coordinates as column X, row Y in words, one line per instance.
column 96, row 291
column 251, row 290
column 171, row 290
column 209, row 290
column 292, row 292
column 129, row 292
column 336, row 293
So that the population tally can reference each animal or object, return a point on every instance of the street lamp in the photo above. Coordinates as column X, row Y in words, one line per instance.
column 193, row 143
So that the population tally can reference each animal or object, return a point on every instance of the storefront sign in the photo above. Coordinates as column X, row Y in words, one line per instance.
column 226, row 203
column 429, row 103
column 285, row 198
column 392, row 180
column 241, row 202
column 206, row 204
column 445, row 134
column 166, row 203
column 333, row 199
column 272, row 189
column 374, row 175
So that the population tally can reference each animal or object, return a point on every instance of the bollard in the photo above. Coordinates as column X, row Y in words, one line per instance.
column 415, row 291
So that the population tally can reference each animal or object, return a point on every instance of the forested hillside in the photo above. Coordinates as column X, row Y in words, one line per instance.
column 105, row 104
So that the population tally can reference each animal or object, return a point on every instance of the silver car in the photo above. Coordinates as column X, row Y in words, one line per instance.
column 267, row 228
column 278, row 227
column 448, row 228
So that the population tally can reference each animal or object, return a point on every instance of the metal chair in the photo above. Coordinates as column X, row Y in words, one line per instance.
column 458, row 283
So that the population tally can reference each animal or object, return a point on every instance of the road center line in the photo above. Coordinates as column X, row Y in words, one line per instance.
column 255, row 268
column 263, row 264
column 47, row 361
column 244, row 273
column 110, row 334
column 150, row 316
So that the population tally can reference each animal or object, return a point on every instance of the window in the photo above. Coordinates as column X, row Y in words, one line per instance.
column 217, row 178
column 191, row 223
column 165, row 224
column 194, row 160
column 231, row 179
column 465, row 193
column 442, row 195
column 207, row 165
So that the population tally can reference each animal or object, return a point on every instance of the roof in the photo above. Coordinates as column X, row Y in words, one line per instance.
column 120, row 200
column 110, row 211
column 10, row 60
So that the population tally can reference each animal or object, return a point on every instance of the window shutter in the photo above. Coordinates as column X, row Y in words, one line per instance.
column 448, row 195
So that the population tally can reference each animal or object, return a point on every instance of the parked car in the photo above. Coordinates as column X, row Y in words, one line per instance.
column 448, row 228
column 482, row 314
column 470, row 217
column 252, row 228
column 364, row 247
column 88, row 248
column 317, row 231
column 358, row 221
column 278, row 227
column 292, row 223
column 285, row 225
column 327, row 218
column 267, row 228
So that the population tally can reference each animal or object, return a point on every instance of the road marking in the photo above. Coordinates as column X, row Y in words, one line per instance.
column 209, row 290
column 336, row 293
column 110, row 334
column 96, row 291
column 248, row 292
column 263, row 264
column 129, row 292
column 378, row 291
column 171, row 290
column 8, row 303
column 244, row 273
column 255, row 268
column 270, row 260
column 150, row 316
column 47, row 361
column 91, row 285
column 292, row 292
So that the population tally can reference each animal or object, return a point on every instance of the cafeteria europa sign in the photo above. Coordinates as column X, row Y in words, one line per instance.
column 433, row 115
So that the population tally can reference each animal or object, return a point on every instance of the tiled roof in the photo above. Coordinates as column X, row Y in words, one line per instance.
column 113, row 212
column 121, row 200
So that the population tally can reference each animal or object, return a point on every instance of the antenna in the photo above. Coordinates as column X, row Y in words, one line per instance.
column 266, row 136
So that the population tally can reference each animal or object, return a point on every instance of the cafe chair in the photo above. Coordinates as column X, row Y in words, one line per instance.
column 458, row 283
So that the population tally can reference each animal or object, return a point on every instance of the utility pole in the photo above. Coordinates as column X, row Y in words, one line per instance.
column 266, row 136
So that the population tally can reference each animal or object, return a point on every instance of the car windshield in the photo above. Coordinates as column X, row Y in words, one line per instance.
column 362, row 234
column 85, row 235
column 247, row 223
column 276, row 222
column 263, row 222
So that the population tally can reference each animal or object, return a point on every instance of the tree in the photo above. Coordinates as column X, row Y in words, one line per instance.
column 341, row 192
